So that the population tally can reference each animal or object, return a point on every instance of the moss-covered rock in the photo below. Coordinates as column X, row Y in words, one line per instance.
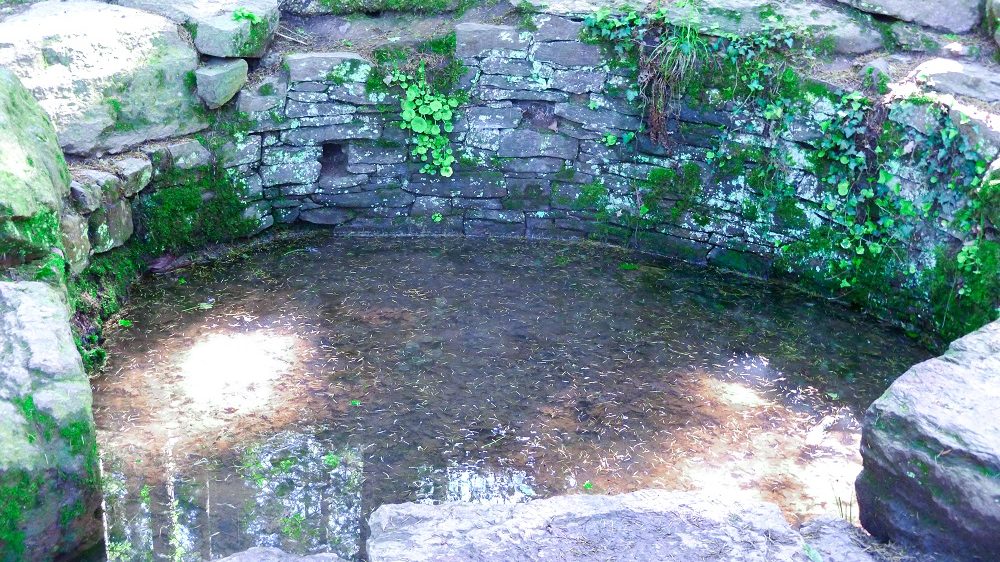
column 109, row 77
column 49, row 484
column 33, row 176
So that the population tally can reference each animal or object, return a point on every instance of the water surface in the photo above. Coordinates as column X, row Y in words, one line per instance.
column 280, row 397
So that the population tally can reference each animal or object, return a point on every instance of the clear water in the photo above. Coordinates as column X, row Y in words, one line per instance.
column 277, row 399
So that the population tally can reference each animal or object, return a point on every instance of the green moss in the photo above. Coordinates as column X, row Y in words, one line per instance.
column 18, row 493
column 24, row 240
column 962, row 298
column 375, row 6
column 258, row 32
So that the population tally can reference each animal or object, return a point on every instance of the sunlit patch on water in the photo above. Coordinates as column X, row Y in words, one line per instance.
column 328, row 377
column 235, row 370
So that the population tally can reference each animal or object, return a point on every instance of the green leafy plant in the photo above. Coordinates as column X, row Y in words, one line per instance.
column 429, row 115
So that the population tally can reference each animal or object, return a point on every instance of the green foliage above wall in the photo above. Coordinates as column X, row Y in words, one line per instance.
column 906, row 224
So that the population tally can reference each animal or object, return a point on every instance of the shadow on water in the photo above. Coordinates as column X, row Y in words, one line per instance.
column 279, row 398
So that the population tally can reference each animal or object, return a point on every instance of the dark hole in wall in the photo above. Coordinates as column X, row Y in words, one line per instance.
column 333, row 161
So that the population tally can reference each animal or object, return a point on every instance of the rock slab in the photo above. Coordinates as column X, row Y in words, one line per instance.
column 49, row 481
column 957, row 16
column 644, row 525
column 931, row 449
column 110, row 77
column 220, row 81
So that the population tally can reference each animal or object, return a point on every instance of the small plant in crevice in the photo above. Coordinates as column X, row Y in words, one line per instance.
column 430, row 116
column 259, row 27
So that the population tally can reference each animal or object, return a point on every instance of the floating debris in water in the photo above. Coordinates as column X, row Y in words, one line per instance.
column 319, row 381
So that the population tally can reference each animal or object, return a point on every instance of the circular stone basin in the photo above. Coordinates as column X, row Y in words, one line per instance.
column 278, row 398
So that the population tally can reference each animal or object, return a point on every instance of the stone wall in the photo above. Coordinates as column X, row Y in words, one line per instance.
column 546, row 150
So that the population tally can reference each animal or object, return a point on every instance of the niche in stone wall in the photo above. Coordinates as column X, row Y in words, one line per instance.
column 333, row 165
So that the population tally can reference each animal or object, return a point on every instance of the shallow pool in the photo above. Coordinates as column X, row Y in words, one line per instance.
column 280, row 397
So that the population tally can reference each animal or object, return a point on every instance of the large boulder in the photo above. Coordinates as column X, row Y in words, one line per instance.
column 644, row 525
column 33, row 176
column 110, row 77
column 220, row 28
column 968, row 79
column 957, row 16
column 931, row 449
column 49, row 481
column 843, row 31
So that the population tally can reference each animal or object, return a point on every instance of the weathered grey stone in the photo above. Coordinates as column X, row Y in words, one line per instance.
column 569, row 54
column 488, row 228
column 329, row 183
column 359, row 153
column 500, row 94
column 579, row 81
column 110, row 226
column 538, row 165
column 836, row 540
column 531, row 84
column 526, row 143
column 317, row 67
column 220, row 81
column 351, row 93
column 275, row 155
column 459, row 186
column 597, row 119
column 960, row 78
column 849, row 31
column 477, row 39
column 110, row 77
column 188, row 154
column 496, row 215
column 317, row 109
column 429, row 206
column 136, row 173
column 931, row 450
column 263, row 97
column 75, row 241
column 33, row 174
column 644, row 525
column 556, row 28
column 957, row 16
column 48, row 456
column 502, row 66
column 359, row 129
column 298, row 190
column 493, row 118
column 220, row 28
column 328, row 216
column 368, row 199
column 241, row 151
column 92, row 187
column 297, row 173
column 270, row 554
